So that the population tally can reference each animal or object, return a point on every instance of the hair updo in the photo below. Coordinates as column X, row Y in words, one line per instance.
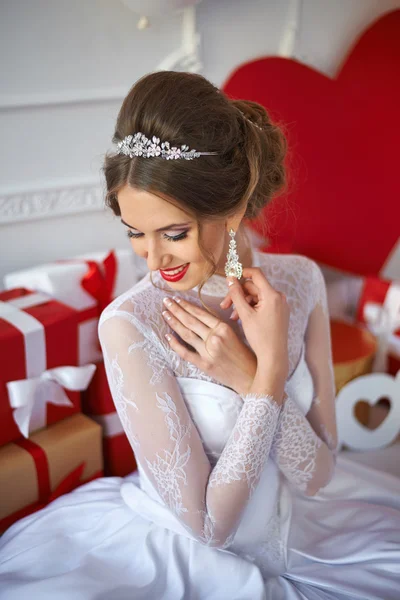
column 186, row 108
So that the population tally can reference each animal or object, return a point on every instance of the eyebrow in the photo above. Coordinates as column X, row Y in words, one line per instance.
column 160, row 228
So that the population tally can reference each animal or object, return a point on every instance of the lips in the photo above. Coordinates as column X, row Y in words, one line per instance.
column 165, row 275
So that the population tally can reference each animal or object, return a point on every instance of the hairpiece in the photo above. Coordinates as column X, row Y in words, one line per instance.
column 139, row 145
column 250, row 121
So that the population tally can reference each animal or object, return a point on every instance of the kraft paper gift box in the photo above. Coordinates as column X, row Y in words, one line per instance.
column 87, row 284
column 53, row 462
column 379, row 310
column 40, row 382
column 353, row 352
column 98, row 404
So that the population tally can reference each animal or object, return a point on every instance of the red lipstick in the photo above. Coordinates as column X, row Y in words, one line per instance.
column 177, row 277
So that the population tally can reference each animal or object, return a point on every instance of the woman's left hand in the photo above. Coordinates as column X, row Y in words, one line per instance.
column 226, row 358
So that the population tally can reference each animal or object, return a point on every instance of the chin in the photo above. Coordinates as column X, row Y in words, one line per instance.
column 182, row 286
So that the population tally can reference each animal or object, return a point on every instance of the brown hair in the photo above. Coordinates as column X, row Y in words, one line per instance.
column 186, row 108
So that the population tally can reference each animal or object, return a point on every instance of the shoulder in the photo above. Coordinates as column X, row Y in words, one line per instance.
column 289, row 268
column 298, row 276
column 132, row 322
column 130, row 306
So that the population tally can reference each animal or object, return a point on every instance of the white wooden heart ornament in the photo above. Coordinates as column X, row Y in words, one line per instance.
column 370, row 388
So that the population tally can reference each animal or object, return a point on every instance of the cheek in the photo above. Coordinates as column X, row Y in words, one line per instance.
column 215, row 245
column 137, row 247
column 214, row 242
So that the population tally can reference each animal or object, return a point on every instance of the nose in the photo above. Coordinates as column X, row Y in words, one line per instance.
column 154, row 256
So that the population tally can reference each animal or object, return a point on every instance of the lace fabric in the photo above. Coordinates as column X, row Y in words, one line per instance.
column 209, row 496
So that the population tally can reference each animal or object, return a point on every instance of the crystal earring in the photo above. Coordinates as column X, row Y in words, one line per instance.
column 233, row 268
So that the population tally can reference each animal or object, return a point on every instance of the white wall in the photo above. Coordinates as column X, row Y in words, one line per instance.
column 64, row 69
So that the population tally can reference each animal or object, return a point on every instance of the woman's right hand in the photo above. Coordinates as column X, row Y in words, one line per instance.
column 266, row 323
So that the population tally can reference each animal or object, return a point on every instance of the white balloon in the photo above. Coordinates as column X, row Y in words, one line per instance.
column 151, row 8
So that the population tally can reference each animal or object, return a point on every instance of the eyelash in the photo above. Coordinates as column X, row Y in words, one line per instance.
column 180, row 236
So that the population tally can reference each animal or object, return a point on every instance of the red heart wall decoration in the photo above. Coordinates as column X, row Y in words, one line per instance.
column 343, row 203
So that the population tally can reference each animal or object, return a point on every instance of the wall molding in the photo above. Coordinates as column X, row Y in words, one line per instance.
column 31, row 101
column 50, row 202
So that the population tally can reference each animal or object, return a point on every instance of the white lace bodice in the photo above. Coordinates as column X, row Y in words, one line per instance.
column 207, row 485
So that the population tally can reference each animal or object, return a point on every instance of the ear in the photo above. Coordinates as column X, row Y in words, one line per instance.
column 234, row 222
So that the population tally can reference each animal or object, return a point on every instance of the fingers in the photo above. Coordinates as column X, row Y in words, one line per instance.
column 191, row 322
column 186, row 334
column 254, row 283
column 226, row 302
column 189, row 328
column 238, row 296
column 184, row 310
column 250, row 300
column 184, row 353
column 248, row 286
column 254, row 289
column 257, row 277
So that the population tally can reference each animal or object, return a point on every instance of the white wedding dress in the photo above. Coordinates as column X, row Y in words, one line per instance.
column 236, row 498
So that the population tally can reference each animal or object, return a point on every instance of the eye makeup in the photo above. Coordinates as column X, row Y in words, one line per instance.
column 174, row 238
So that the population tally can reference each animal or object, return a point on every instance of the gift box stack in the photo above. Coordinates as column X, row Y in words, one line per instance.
column 50, row 374
column 365, row 320
column 366, row 339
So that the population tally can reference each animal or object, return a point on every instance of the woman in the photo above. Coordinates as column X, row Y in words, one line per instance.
column 232, row 420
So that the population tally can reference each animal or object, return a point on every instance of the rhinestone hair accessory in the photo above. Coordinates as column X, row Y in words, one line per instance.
column 139, row 145
column 250, row 121
column 233, row 268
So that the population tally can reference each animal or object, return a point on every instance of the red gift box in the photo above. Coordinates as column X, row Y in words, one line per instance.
column 98, row 404
column 379, row 310
column 87, row 284
column 38, row 350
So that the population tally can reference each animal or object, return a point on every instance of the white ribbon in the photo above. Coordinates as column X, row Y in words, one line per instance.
column 110, row 423
column 29, row 397
column 383, row 321
column 32, row 330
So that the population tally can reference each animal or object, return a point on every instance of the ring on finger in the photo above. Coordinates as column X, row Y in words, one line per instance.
column 210, row 332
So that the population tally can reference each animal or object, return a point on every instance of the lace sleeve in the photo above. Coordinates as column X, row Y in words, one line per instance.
column 305, row 448
column 209, row 502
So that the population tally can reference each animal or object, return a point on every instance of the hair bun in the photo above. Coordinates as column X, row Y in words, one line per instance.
column 253, row 112
column 265, row 147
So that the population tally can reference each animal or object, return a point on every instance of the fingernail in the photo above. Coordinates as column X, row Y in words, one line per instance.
column 230, row 281
column 231, row 317
column 168, row 337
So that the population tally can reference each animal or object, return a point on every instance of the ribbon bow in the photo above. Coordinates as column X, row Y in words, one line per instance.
column 99, row 281
column 383, row 321
column 29, row 397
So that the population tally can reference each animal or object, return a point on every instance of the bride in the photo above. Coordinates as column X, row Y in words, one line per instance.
column 219, row 362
